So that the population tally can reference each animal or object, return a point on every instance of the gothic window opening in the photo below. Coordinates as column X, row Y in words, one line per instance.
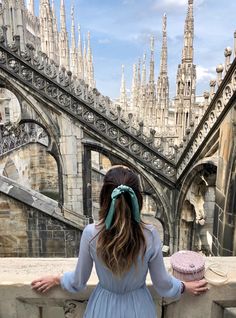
column 149, row 212
column 100, row 165
column 186, row 120
column 10, row 109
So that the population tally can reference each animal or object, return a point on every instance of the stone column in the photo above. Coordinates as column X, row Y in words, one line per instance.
column 71, row 149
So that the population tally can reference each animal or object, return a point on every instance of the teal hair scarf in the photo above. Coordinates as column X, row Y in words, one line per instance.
column 134, row 201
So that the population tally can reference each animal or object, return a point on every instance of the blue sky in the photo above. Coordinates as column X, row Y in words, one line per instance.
column 120, row 32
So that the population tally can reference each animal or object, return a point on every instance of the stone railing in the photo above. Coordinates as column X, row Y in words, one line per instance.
column 18, row 300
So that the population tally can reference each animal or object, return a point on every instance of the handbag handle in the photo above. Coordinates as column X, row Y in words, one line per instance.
column 214, row 268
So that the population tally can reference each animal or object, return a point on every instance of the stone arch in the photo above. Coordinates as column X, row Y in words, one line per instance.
column 150, row 186
column 196, row 207
column 100, row 164
column 30, row 144
column 42, row 119
column 149, row 214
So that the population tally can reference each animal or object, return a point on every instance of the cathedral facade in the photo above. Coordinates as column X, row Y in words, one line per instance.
column 59, row 135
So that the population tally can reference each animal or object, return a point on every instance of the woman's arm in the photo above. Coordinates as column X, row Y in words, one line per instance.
column 71, row 281
column 43, row 284
column 165, row 284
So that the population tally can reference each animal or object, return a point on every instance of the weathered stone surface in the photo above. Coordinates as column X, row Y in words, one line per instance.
column 17, row 299
column 29, row 232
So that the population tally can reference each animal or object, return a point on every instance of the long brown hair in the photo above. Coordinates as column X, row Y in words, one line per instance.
column 120, row 246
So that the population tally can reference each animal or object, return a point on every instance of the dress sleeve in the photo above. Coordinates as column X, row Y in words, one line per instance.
column 76, row 281
column 165, row 284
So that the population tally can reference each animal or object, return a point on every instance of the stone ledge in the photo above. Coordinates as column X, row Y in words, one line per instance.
column 16, row 294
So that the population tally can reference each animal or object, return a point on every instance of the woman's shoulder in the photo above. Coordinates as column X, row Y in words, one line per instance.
column 90, row 230
column 150, row 227
column 151, row 231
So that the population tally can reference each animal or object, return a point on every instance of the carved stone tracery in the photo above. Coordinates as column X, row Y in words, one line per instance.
column 98, row 113
column 13, row 137
column 88, row 106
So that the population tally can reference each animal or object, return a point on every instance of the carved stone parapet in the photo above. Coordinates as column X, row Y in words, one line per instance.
column 212, row 88
column 94, row 111
column 12, row 137
column 219, row 71
column 228, row 53
column 206, row 96
column 219, row 105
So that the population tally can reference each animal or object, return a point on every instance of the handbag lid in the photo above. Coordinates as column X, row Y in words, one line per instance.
column 187, row 262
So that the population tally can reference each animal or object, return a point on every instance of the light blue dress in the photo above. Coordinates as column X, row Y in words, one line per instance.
column 127, row 297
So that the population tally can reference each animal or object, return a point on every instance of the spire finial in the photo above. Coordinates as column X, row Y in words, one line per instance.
column 163, row 64
column 123, row 96
column 163, row 81
column 143, row 79
column 73, row 44
column 63, row 16
column 31, row 6
column 73, row 50
column 188, row 34
column 63, row 38
column 152, row 75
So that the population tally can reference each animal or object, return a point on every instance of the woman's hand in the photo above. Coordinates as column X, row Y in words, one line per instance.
column 43, row 284
column 196, row 287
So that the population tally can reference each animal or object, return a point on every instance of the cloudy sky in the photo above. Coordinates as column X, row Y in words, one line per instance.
column 120, row 32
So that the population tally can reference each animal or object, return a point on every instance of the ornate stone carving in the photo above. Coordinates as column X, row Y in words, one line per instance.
column 74, row 308
column 88, row 106
column 13, row 137
column 214, row 113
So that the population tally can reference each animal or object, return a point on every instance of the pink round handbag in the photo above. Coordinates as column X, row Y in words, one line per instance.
column 187, row 265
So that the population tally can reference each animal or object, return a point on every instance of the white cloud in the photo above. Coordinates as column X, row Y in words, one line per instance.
column 104, row 41
column 174, row 4
column 204, row 73
column 125, row 2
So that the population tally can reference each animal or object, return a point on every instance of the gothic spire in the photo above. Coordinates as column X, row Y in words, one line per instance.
column 152, row 74
column 143, row 91
column 139, row 73
column 81, row 61
column 73, row 43
column 31, row 6
column 55, row 33
column 134, row 81
column 85, row 62
column 186, row 78
column 73, row 50
column 143, row 78
column 90, row 72
column 163, row 81
column 123, row 96
column 44, row 6
column 53, row 10
column 46, row 28
column 163, row 64
column 187, row 54
column 63, row 16
column 63, row 38
column 54, row 21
